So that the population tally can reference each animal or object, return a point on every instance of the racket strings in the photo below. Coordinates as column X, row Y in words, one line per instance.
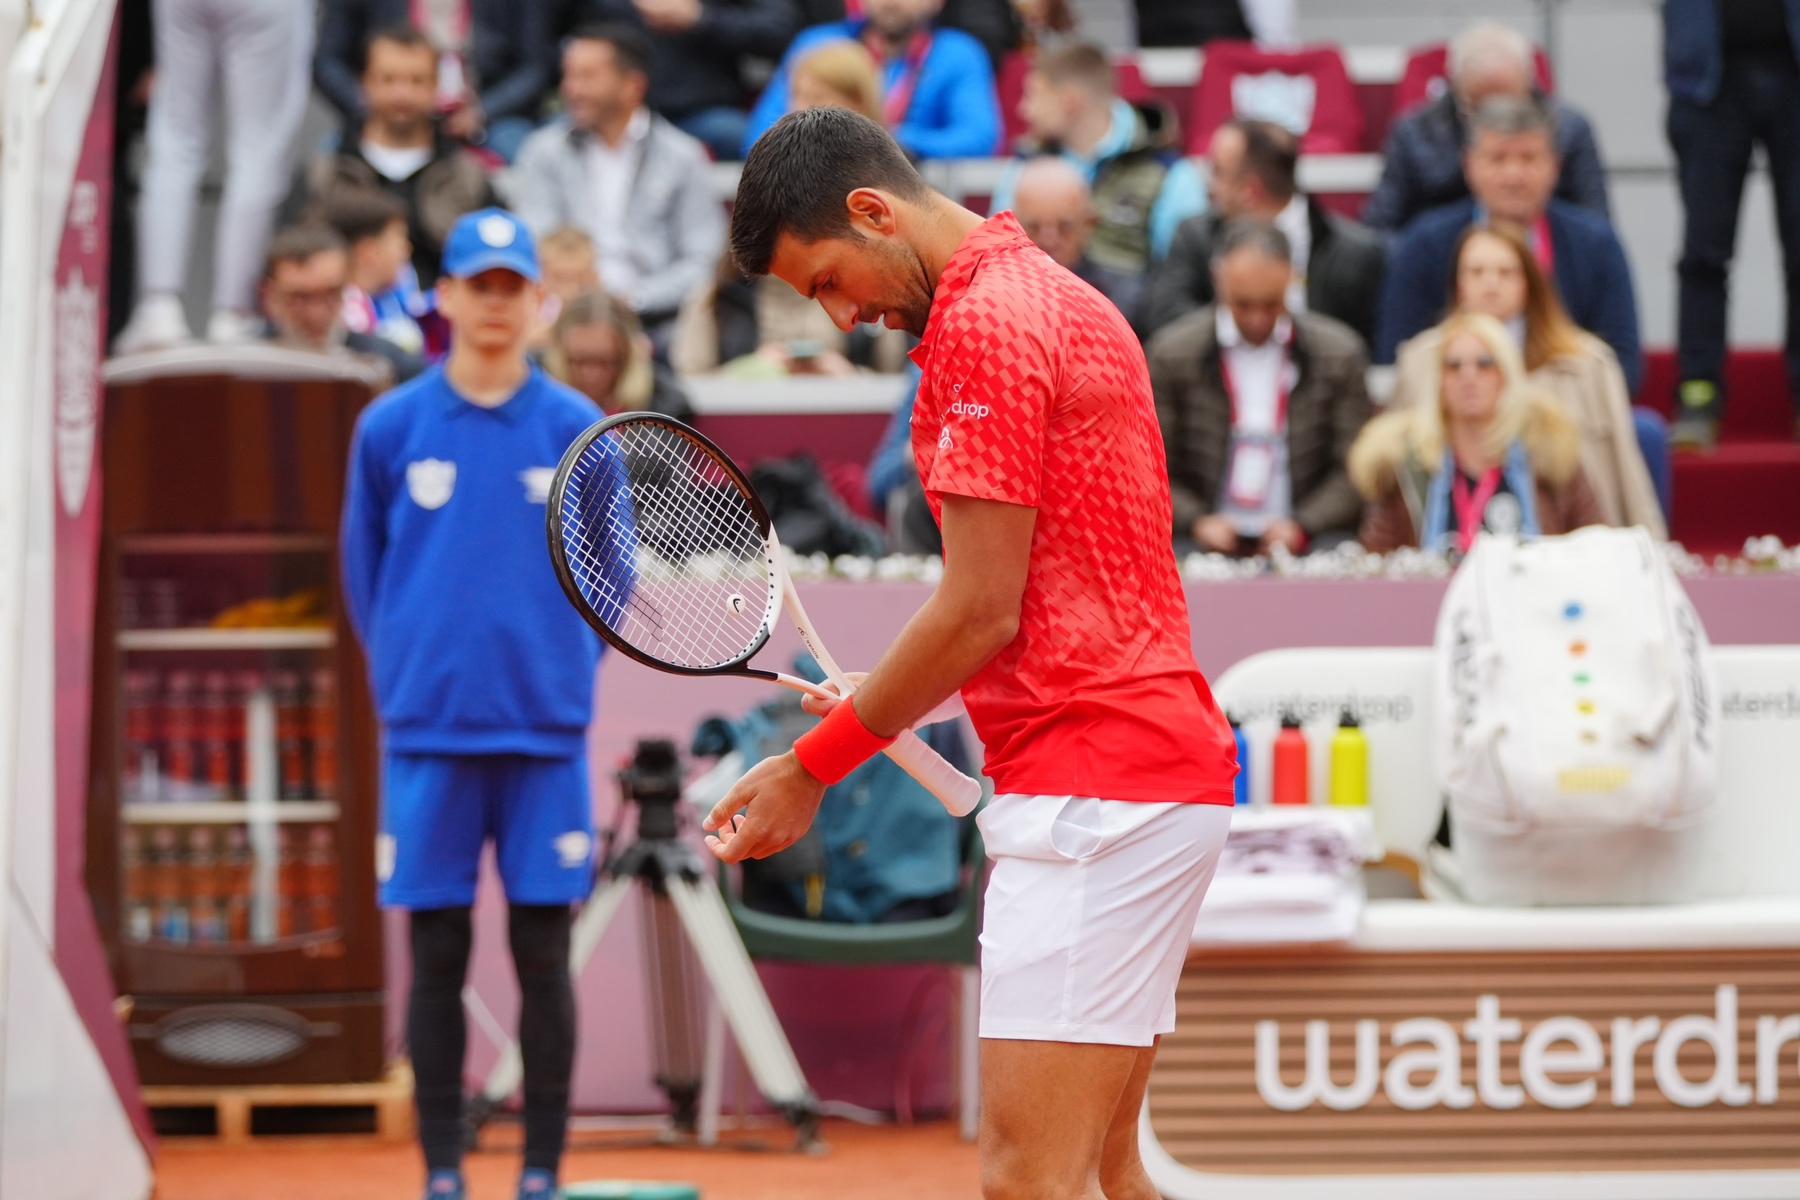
column 665, row 547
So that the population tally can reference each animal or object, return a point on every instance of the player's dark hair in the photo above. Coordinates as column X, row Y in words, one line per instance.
column 1252, row 233
column 1271, row 156
column 629, row 45
column 799, row 173
column 400, row 34
column 1081, row 63
column 358, row 213
column 297, row 243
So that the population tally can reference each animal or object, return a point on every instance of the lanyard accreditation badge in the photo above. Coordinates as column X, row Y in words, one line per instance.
column 1250, row 479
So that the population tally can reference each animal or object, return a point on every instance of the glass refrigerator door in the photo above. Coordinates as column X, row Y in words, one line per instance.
column 229, row 792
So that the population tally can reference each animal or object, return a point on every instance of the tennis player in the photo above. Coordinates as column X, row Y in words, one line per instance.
column 484, row 677
column 1060, row 617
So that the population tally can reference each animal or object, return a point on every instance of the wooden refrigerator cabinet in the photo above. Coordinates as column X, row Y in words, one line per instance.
column 233, row 805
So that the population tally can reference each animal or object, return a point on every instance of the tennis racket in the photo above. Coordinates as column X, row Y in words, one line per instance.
column 662, row 545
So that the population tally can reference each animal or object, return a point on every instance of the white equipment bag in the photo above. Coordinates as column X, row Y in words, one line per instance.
column 1577, row 721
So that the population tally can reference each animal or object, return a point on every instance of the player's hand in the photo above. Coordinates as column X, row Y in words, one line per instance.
column 821, row 707
column 779, row 798
column 1284, row 533
column 466, row 122
column 1215, row 533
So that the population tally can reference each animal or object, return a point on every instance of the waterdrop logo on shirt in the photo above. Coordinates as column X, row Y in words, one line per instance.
column 944, row 442
column 537, row 482
column 430, row 481
column 496, row 231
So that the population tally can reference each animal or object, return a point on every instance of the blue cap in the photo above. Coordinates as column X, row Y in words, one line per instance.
column 488, row 238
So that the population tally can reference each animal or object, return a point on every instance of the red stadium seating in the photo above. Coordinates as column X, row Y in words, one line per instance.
column 1128, row 81
column 1426, row 69
column 1750, row 485
column 1233, row 69
column 1010, row 85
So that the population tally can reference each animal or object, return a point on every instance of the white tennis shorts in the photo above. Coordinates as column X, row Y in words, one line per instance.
column 1089, row 912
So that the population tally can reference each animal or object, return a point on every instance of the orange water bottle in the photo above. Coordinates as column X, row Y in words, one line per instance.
column 1287, row 774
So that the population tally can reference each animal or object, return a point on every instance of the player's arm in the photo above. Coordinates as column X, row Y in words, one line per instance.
column 971, row 616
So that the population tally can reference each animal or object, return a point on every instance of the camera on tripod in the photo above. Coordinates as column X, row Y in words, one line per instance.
column 652, row 781
column 691, row 946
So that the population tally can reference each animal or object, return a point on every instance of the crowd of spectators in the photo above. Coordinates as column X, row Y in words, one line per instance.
column 1261, row 307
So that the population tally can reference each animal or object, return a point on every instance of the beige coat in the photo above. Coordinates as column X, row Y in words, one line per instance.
column 1592, row 390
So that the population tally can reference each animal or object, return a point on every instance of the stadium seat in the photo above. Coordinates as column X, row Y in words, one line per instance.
column 1427, row 67
column 1307, row 90
column 1750, row 484
column 1010, row 85
column 1128, row 81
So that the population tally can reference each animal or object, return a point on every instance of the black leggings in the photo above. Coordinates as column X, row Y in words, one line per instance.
column 438, row 1038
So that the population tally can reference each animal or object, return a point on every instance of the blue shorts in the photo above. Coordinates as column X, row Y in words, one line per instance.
column 437, row 810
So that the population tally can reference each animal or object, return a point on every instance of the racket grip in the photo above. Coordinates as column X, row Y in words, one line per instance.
column 959, row 793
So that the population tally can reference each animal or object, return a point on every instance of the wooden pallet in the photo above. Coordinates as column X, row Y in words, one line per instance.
column 391, row 1097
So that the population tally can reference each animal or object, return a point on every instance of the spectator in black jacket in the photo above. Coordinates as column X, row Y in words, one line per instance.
column 496, row 62
column 1338, row 264
column 397, row 146
column 1423, row 159
column 697, row 52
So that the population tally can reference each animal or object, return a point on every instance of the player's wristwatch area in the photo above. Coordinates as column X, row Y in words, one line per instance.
column 838, row 745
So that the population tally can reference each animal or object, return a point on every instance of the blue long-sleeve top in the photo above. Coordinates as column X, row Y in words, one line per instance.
column 472, row 647
column 954, row 113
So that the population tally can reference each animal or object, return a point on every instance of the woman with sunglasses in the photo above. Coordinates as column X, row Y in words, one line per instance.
column 1494, row 453
column 1496, row 274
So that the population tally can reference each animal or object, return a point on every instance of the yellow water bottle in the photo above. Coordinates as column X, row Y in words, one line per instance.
column 1349, row 762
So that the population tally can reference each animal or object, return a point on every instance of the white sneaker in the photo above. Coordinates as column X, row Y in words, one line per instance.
column 158, row 321
column 228, row 328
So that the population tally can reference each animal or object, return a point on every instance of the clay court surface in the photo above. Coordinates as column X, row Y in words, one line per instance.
column 862, row 1164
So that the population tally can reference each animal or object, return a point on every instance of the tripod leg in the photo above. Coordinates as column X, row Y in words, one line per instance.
column 674, row 995
column 712, row 1074
column 590, row 927
column 745, row 1004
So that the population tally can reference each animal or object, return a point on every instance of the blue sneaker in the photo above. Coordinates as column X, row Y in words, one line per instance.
column 445, row 1183
column 538, row 1184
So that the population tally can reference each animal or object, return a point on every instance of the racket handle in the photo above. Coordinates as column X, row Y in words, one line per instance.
column 959, row 793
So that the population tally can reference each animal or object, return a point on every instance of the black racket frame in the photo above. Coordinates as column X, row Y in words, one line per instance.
column 553, row 526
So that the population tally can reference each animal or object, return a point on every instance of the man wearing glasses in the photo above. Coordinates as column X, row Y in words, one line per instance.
column 1055, row 207
column 303, row 283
